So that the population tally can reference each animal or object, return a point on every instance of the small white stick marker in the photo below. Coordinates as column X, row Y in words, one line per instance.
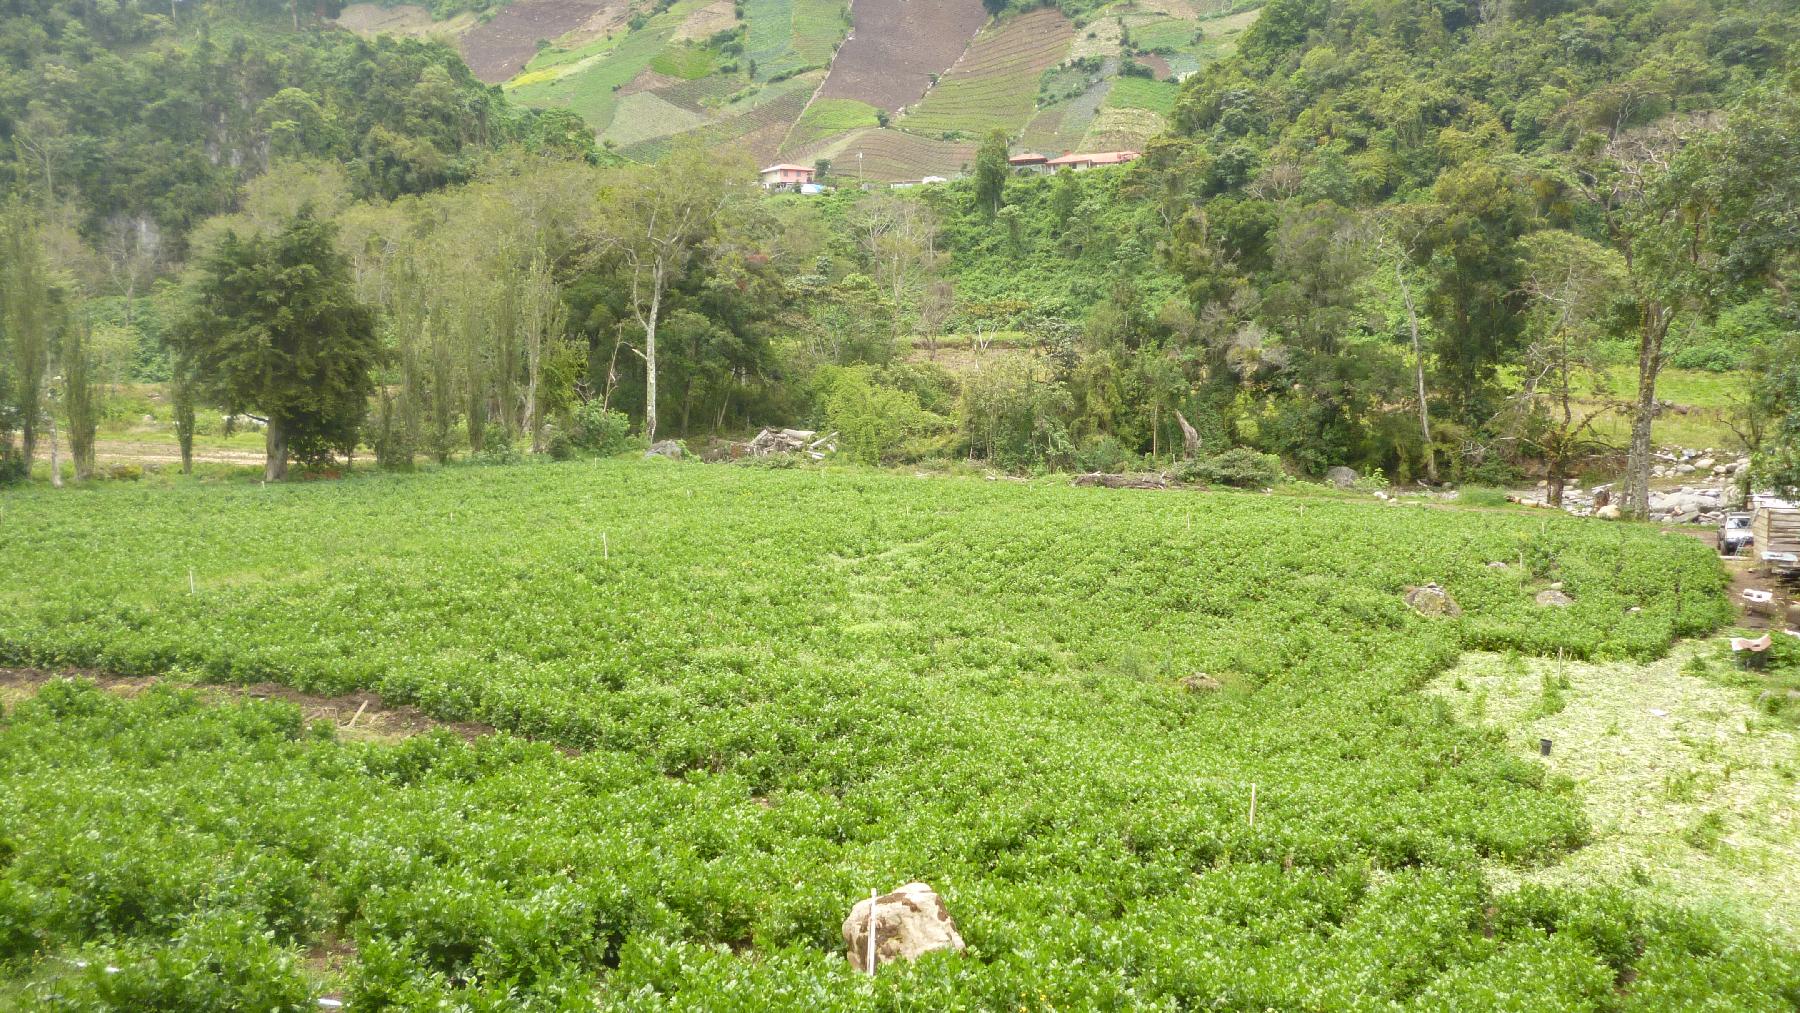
column 1253, row 803
column 873, row 895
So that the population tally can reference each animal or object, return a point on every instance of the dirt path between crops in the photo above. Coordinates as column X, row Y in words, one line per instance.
column 148, row 452
column 360, row 716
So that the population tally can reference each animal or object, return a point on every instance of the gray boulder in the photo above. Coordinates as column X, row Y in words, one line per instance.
column 1432, row 600
column 1341, row 476
column 665, row 448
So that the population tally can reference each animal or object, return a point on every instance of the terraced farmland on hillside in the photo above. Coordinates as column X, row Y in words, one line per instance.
column 897, row 45
column 1142, row 93
column 890, row 155
column 646, row 116
column 783, row 37
column 1121, row 129
column 411, row 20
column 995, row 85
column 757, row 124
column 500, row 47
column 829, row 116
column 592, row 79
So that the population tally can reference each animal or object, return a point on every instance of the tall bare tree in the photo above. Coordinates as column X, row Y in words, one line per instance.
column 656, row 221
column 542, row 319
column 898, row 236
column 1577, row 288
column 1661, row 232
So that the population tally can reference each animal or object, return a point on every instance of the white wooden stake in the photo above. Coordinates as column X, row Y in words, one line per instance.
column 605, row 548
column 873, row 895
column 1253, row 803
column 190, row 580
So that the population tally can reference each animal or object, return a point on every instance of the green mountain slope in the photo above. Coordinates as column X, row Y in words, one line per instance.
column 809, row 80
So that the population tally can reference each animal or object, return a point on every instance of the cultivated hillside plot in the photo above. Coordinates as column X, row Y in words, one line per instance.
column 370, row 19
column 592, row 78
column 780, row 689
column 996, row 82
column 782, row 37
column 897, row 45
column 889, row 155
column 500, row 47
column 756, row 124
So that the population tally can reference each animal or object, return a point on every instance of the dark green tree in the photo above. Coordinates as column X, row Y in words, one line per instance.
column 990, row 172
column 274, row 328
column 1472, row 252
column 29, row 314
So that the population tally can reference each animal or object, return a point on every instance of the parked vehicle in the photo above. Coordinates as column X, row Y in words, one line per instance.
column 1735, row 535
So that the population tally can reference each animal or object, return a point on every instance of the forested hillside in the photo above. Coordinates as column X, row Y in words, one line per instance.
column 1509, row 193
column 145, row 124
column 1435, row 242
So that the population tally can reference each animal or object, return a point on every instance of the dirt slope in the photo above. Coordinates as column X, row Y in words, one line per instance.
column 499, row 48
column 896, row 45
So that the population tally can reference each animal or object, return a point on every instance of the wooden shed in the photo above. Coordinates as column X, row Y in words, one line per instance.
column 1777, row 530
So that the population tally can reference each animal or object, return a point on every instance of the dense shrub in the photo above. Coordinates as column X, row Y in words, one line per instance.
column 599, row 430
column 873, row 421
column 1240, row 467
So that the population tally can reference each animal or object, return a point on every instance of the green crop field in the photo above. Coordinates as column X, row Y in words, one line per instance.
column 1163, row 33
column 889, row 155
column 756, row 123
column 996, row 83
column 686, row 61
column 775, row 690
column 826, row 117
column 1142, row 93
column 787, row 36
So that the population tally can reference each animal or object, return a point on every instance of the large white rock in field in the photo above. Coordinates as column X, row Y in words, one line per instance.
column 1341, row 477
column 908, row 922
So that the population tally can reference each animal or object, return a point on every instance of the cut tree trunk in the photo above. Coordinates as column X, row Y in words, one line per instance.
column 55, row 455
column 275, row 450
column 656, row 287
column 1637, row 461
column 1190, row 437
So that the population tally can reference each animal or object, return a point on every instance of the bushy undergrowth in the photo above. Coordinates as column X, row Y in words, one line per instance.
column 792, row 686
column 1239, row 466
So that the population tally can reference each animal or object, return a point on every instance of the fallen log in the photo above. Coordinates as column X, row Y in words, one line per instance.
column 1106, row 481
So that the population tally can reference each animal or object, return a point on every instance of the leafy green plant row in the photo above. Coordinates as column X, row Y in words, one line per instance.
column 789, row 686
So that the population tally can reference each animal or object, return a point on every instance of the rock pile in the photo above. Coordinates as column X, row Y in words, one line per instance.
column 1703, row 501
column 1702, row 464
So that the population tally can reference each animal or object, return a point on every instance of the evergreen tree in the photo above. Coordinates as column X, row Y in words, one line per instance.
column 274, row 328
